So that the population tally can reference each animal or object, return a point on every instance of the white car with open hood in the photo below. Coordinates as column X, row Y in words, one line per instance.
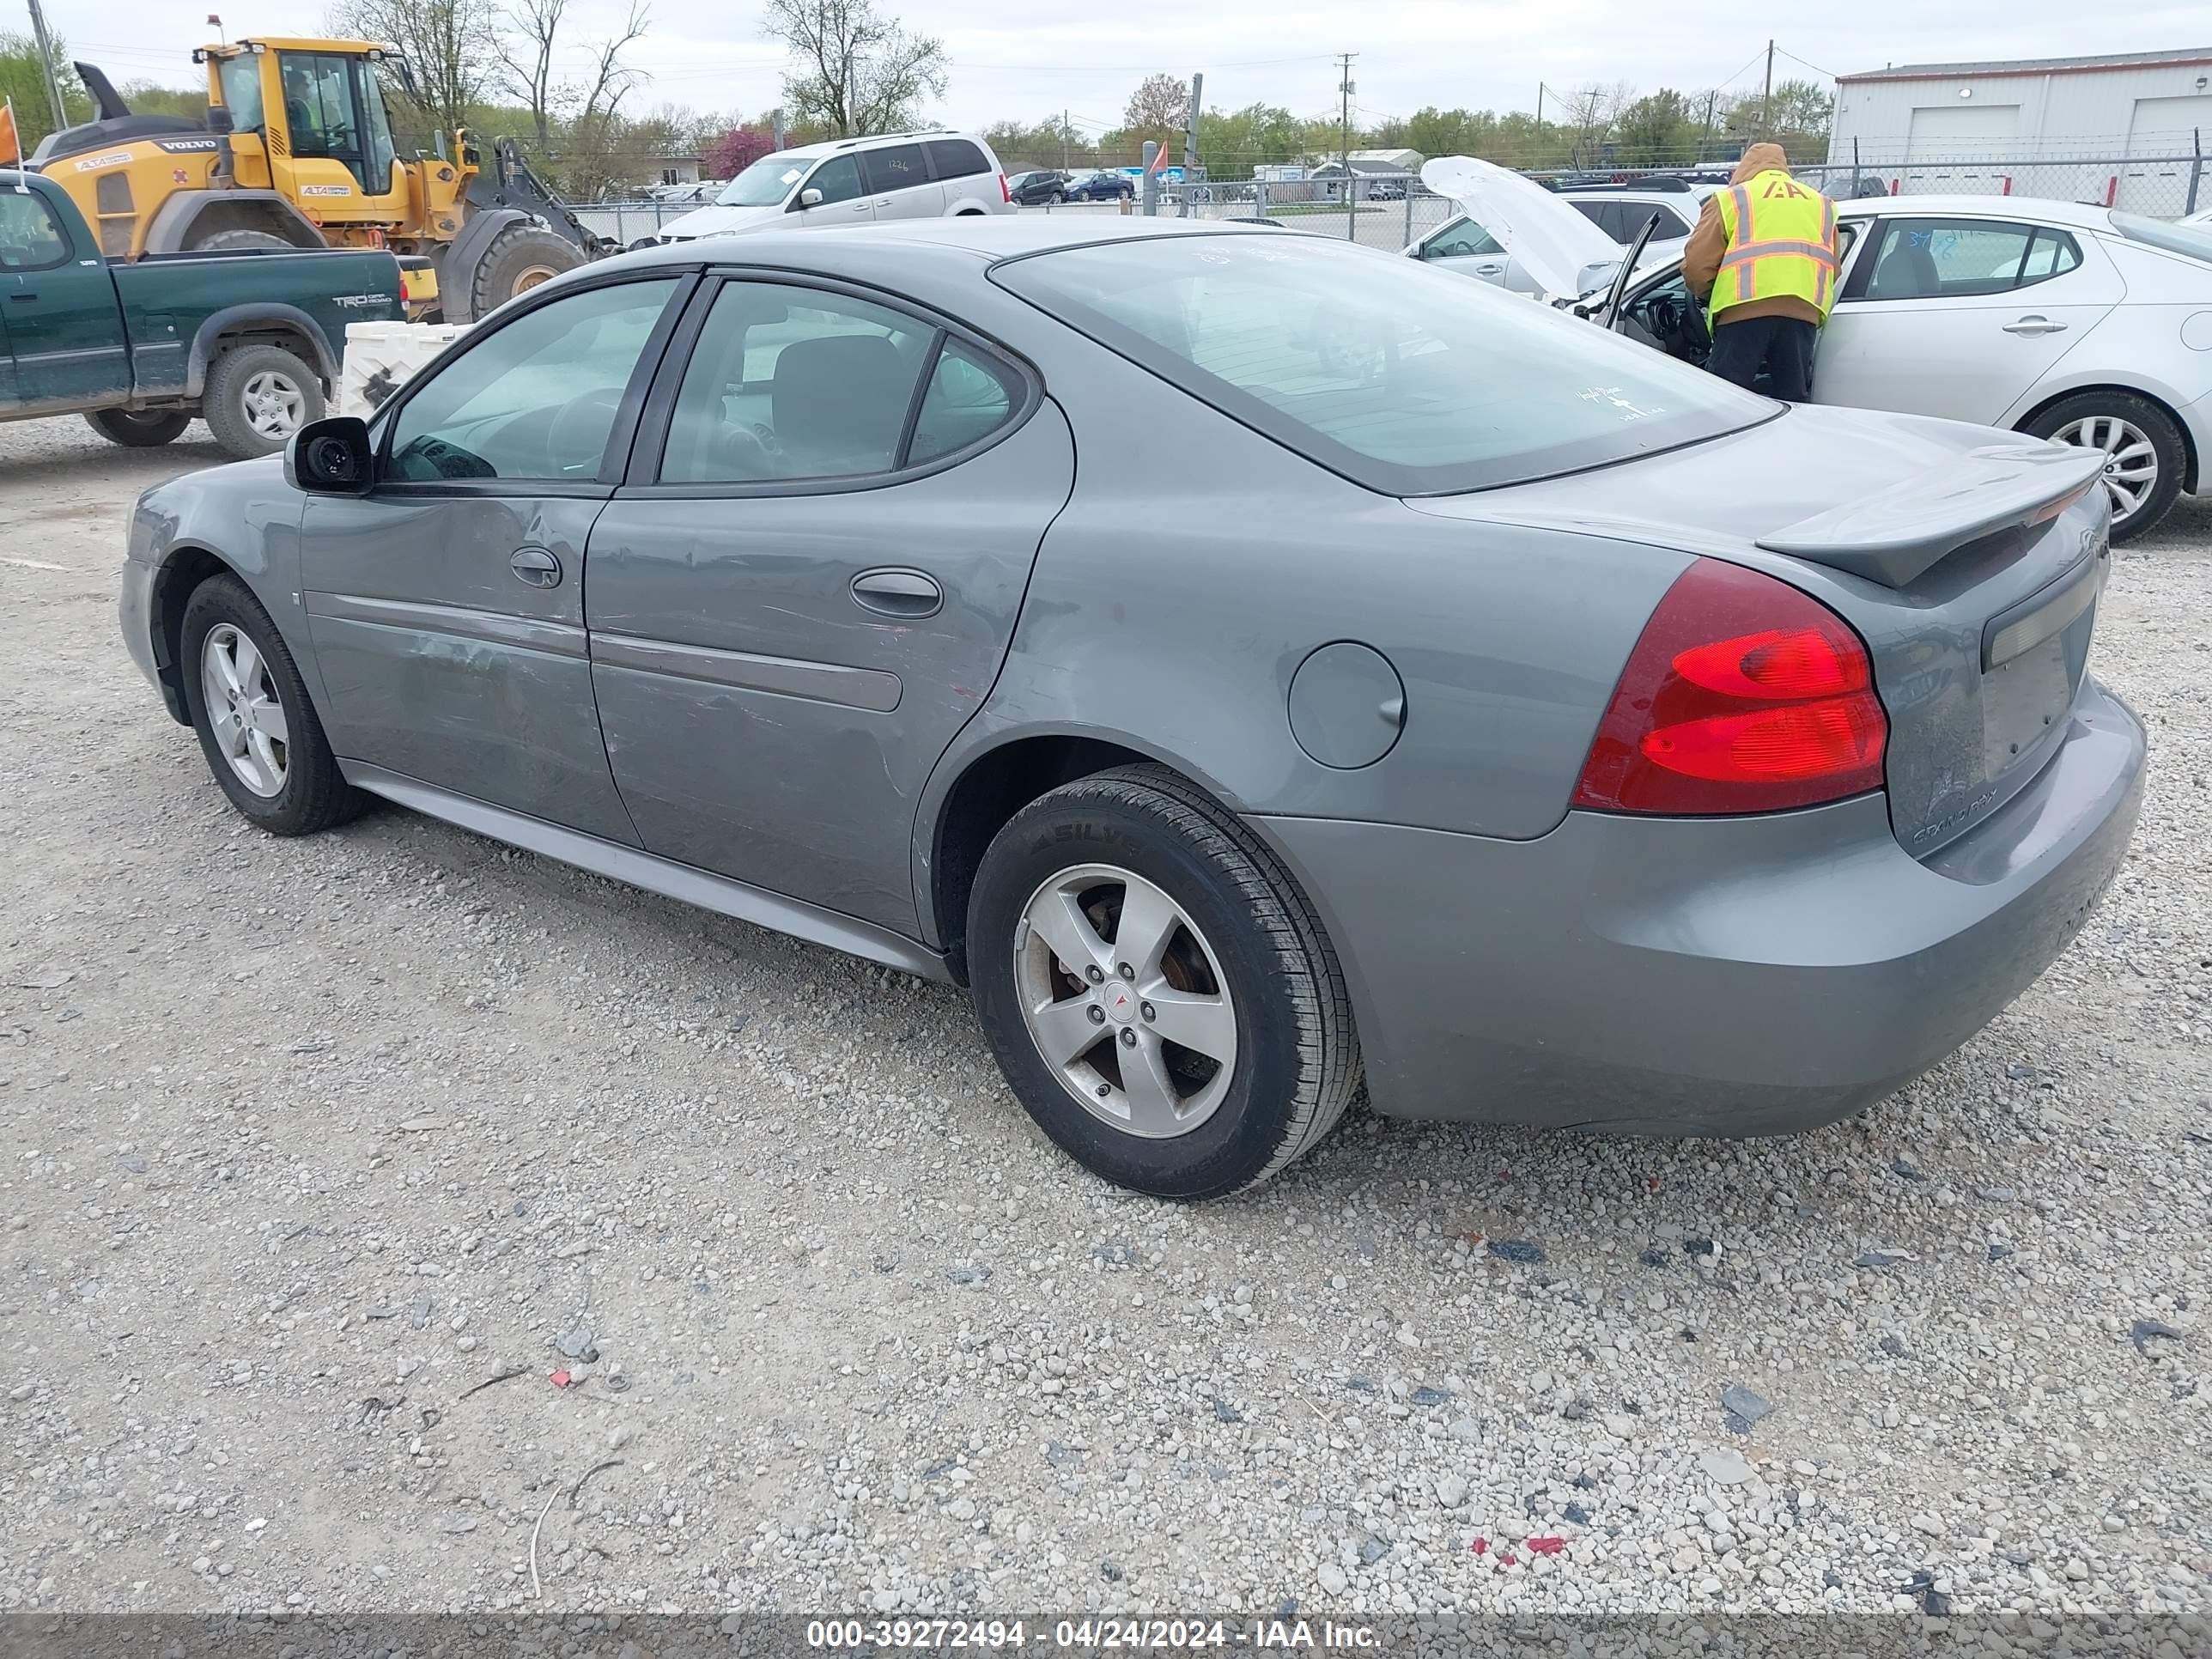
column 2074, row 323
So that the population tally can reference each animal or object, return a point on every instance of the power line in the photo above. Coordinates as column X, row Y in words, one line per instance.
column 1807, row 62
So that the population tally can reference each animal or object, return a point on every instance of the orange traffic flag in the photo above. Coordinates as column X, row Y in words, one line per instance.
column 11, row 147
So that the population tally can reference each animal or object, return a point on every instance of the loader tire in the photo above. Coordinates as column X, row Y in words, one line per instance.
column 518, row 260
column 237, row 241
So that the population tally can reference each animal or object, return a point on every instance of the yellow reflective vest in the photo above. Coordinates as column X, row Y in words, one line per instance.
column 1780, row 239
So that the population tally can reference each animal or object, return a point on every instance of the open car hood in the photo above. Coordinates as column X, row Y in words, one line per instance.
column 1555, row 245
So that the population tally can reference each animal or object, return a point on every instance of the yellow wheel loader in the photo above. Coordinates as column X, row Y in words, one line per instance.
column 297, row 151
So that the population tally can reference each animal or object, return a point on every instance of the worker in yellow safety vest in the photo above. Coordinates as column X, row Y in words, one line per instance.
column 1764, row 258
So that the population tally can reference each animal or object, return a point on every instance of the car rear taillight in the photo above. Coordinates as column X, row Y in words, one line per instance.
column 1005, row 195
column 1743, row 694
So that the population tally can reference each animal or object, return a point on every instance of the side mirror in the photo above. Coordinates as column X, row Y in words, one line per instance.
column 219, row 120
column 331, row 456
column 810, row 198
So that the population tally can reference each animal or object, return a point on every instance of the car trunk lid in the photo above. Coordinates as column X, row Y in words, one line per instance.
column 1969, row 562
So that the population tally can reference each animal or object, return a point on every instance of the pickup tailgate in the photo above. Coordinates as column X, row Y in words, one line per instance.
column 1970, row 561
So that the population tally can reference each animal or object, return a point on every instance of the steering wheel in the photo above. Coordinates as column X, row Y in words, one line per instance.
column 578, row 437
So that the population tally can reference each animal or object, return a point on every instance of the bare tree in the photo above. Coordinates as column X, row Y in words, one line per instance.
column 596, row 130
column 526, row 51
column 1590, row 112
column 1157, row 106
column 857, row 72
column 448, row 43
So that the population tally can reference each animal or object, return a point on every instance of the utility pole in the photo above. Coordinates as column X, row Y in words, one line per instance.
column 1766, row 102
column 1063, row 141
column 46, row 64
column 1344, row 117
column 1191, row 127
column 1706, row 139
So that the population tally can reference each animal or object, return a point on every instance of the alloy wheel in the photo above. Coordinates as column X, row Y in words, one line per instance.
column 2130, row 471
column 244, row 711
column 274, row 405
column 1124, row 998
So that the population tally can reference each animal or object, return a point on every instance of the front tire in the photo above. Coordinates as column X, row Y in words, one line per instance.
column 257, row 397
column 1161, row 997
column 519, row 258
column 139, row 428
column 2144, row 454
column 256, row 724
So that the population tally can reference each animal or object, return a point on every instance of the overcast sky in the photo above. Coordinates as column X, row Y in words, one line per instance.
column 1032, row 58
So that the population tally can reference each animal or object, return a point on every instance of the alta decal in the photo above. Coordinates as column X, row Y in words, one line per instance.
column 326, row 190
column 114, row 158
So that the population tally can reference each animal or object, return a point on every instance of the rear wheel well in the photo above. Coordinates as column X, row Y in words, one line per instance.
column 288, row 336
column 994, row 787
column 186, row 569
column 2190, row 473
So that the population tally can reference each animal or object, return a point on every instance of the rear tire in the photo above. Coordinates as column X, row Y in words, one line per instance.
column 2144, row 451
column 288, row 784
column 139, row 428
column 519, row 258
column 257, row 397
column 1240, row 965
column 237, row 241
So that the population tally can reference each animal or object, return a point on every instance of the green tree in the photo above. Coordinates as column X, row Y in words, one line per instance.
column 147, row 97
column 1658, row 130
column 1231, row 143
column 23, row 80
column 854, row 72
column 1159, row 106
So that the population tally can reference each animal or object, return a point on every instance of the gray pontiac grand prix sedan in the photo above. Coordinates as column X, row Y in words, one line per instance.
column 1254, row 666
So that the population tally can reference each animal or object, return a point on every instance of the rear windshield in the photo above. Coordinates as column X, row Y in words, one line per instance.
column 2195, row 241
column 1405, row 378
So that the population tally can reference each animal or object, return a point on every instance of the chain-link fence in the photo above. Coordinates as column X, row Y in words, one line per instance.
column 1394, row 210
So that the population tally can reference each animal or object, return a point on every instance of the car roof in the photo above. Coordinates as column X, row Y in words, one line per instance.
column 832, row 146
column 2033, row 209
column 989, row 236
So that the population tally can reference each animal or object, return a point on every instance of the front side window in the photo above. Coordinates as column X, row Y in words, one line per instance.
column 838, row 179
column 241, row 91
column 319, row 107
column 789, row 383
column 1466, row 239
column 1370, row 366
column 1963, row 258
column 31, row 237
column 900, row 167
column 534, row 400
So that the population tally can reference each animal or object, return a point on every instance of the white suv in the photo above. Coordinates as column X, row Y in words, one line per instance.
column 854, row 181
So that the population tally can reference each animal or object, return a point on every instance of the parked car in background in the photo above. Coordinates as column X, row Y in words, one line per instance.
column 1038, row 188
column 1103, row 186
column 1701, row 749
column 1618, row 213
column 2071, row 322
column 846, row 181
column 250, row 341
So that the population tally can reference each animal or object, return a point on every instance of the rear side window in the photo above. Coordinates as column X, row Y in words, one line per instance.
column 898, row 168
column 955, row 158
column 969, row 398
column 1963, row 258
column 788, row 383
column 1369, row 366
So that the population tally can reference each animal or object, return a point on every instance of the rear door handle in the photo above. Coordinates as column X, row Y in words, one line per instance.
column 20, row 297
column 897, row 592
column 535, row 566
column 2035, row 325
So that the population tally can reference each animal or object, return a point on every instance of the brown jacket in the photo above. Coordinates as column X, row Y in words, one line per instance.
column 1701, row 254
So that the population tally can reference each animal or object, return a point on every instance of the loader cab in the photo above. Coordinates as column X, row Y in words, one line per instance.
column 308, row 119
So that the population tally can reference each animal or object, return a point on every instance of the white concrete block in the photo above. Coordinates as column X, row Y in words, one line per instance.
column 381, row 357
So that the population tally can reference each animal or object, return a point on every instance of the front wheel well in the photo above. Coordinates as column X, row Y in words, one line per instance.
column 2190, row 473
column 185, row 569
column 996, row 786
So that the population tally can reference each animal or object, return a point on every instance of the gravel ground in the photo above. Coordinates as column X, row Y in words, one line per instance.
column 314, row 1142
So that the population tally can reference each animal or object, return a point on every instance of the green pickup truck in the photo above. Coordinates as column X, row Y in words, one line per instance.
column 249, row 340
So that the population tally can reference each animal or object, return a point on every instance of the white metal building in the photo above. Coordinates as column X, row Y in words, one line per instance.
column 2148, row 109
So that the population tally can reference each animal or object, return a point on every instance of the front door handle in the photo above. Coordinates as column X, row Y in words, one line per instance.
column 20, row 297
column 2033, row 324
column 535, row 566
column 896, row 592
column 1490, row 269
column 864, row 207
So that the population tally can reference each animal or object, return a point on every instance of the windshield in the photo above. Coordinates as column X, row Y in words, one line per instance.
column 1406, row 379
column 766, row 182
column 2194, row 241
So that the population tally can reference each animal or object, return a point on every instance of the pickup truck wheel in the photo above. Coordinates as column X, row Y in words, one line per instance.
column 256, row 725
column 257, row 397
column 139, row 428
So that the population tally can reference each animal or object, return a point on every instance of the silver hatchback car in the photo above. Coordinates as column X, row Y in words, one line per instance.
column 1466, row 700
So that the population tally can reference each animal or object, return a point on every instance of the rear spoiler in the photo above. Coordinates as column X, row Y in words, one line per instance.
column 1896, row 535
